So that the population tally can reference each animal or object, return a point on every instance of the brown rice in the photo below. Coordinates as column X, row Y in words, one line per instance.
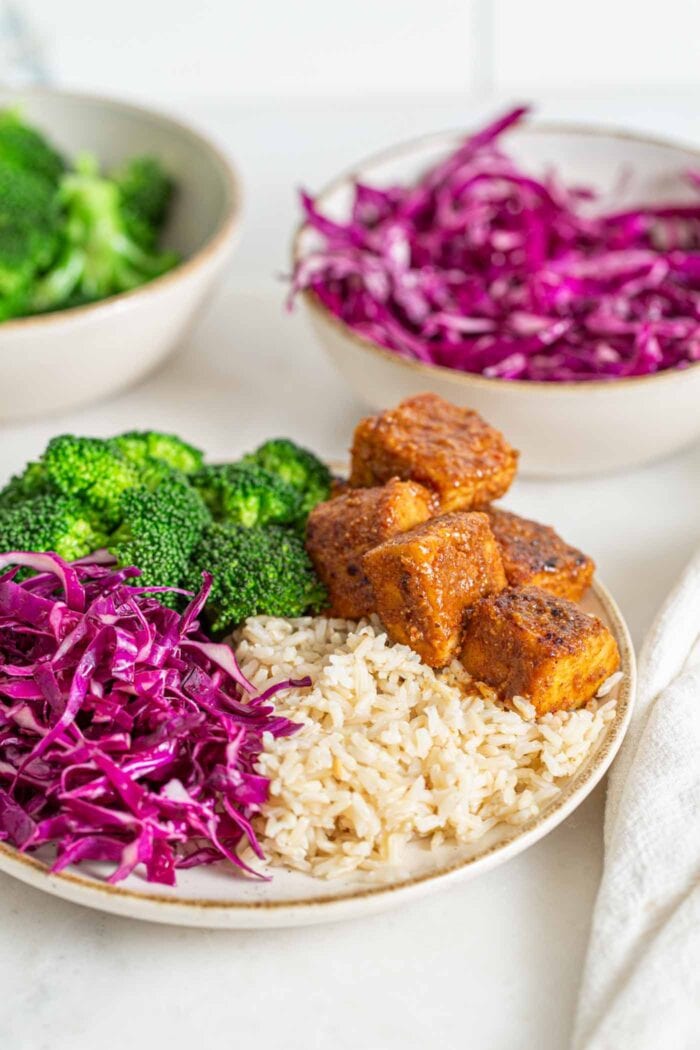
column 391, row 751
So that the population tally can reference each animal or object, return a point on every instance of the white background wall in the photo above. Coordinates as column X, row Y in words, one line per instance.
column 338, row 48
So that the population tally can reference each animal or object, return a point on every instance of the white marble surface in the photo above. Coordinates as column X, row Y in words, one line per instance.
column 492, row 964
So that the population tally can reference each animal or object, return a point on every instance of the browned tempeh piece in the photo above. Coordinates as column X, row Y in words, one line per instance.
column 426, row 580
column 535, row 555
column 527, row 642
column 450, row 450
column 340, row 531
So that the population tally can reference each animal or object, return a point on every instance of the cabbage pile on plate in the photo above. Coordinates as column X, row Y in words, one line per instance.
column 126, row 736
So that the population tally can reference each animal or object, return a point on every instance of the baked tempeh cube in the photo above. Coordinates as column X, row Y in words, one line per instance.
column 339, row 532
column 450, row 450
column 426, row 580
column 535, row 555
column 527, row 642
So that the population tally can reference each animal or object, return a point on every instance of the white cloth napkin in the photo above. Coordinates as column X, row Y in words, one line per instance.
column 641, row 984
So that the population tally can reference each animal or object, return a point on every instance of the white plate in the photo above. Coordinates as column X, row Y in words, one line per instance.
column 216, row 897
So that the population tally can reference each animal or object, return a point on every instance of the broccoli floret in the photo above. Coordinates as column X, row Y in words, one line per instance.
column 245, row 494
column 69, row 237
column 49, row 523
column 33, row 481
column 142, row 447
column 297, row 466
column 58, row 289
column 256, row 571
column 100, row 258
column 93, row 471
column 146, row 192
column 159, row 529
column 29, row 236
column 25, row 147
column 98, row 472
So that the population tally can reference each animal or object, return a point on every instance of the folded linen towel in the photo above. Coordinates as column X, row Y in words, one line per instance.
column 641, row 983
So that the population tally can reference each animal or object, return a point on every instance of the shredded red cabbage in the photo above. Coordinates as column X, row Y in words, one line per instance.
column 126, row 735
column 482, row 268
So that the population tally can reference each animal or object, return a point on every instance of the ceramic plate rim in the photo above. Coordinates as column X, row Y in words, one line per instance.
column 212, row 913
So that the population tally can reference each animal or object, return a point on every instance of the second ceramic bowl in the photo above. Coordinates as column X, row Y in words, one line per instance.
column 562, row 429
column 53, row 362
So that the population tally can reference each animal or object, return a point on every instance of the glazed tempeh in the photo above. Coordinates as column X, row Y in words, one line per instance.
column 426, row 580
column 340, row 531
column 535, row 555
column 527, row 642
column 450, row 450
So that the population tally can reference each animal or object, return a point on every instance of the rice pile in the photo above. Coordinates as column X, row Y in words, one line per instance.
column 391, row 751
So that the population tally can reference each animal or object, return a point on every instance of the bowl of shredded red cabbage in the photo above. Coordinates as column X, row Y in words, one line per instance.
column 484, row 265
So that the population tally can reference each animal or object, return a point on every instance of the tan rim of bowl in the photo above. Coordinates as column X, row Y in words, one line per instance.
column 473, row 378
column 534, row 828
column 232, row 210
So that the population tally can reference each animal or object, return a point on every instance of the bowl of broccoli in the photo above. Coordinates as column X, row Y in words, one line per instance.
column 115, row 221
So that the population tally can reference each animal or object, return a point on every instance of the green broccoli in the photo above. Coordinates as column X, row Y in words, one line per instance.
column 146, row 192
column 49, row 523
column 59, row 288
column 256, row 571
column 69, row 236
column 29, row 236
column 245, row 494
column 297, row 466
column 143, row 447
column 100, row 258
column 31, row 482
column 24, row 147
column 93, row 471
column 98, row 471
column 159, row 529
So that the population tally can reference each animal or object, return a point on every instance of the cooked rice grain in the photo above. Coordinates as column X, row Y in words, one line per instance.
column 390, row 750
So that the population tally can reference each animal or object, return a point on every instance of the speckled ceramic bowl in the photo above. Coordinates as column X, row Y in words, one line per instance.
column 57, row 361
column 562, row 429
column 214, row 896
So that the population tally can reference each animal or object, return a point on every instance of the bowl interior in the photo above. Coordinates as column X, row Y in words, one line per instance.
column 627, row 169
column 115, row 131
